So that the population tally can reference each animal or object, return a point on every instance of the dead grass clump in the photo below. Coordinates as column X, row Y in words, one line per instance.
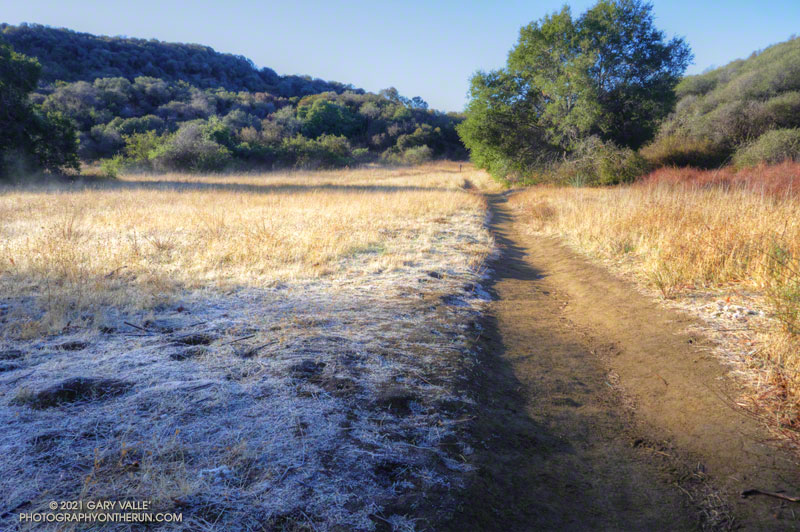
column 540, row 214
column 71, row 391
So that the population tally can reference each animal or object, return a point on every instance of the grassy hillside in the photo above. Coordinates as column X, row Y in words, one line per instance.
column 745, row 112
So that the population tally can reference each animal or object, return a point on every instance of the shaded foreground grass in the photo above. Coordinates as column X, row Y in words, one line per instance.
column 724, row 248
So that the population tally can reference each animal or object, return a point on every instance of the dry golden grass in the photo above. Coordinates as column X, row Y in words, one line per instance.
column 680, row 237
column 144, row 239
column 707, row 248
column 231, row 347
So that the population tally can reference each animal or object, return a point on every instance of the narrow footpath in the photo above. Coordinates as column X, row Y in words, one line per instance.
column 598, row 411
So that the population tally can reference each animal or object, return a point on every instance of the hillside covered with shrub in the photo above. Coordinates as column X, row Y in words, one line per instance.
column 200, row 110
column 67, row 55
column 745, row 112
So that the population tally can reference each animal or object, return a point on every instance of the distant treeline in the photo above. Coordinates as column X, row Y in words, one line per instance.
column 199, row 110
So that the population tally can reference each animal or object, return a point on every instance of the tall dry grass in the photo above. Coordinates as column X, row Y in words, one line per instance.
column 688, row 234
column 679, row 237
column 146, row 239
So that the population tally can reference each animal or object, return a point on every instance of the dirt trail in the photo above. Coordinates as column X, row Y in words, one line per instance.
column 559, row 448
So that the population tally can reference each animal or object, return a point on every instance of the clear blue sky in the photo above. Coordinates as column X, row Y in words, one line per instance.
column 424, row 48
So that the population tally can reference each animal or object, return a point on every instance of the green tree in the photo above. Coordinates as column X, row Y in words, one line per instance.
column 609, row 73
column 327, row 118
column 27, row 133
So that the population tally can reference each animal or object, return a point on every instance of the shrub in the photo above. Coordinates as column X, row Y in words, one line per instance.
column 190, row 149
column 772, row 147
column 112, row 167
column 417, row 155
column 328, row 151
column 684, row 150
column 594, row 162
column 784, row 110
column 141, row 147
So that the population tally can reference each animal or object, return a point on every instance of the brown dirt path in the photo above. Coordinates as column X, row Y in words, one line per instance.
column 560, row 448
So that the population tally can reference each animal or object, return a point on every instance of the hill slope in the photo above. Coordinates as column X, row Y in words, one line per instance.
column 166, row 106
column 727, row 111
column 68, row 55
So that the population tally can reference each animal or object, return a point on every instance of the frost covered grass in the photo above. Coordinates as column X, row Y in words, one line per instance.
column 283, row 351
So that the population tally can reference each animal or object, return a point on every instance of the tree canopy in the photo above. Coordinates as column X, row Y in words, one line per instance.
column 609, row 74
column 29, row 137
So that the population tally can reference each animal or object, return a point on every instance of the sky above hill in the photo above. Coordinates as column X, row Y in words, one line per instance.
column 422, row 48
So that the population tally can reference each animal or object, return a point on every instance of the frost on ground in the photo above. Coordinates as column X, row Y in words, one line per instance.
column 338, row 405
column 329, row 403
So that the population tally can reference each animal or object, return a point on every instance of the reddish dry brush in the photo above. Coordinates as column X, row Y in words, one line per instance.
column 780, row 180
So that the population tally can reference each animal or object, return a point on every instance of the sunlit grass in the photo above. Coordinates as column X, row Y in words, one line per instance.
column 145, row 239
column 694, row 240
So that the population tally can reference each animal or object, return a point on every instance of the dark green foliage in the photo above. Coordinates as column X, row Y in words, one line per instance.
column 193, row 147
column 71, row 56
column 607, row 74
column 729, row 108
column 327, row 151
column 325, row 117
column 30, row 138
column 220, row 116
column 53, row 142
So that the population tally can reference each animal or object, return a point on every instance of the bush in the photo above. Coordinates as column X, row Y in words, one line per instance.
column 189, row 149
column 410, row 156
column 141, row 147
column 328, row 151
column 112, row 167
column 772, row 147
column 417, row 155
column 684, row 150
column 594, row 162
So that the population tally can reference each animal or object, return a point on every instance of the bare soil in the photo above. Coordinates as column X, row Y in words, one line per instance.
column 599, row 411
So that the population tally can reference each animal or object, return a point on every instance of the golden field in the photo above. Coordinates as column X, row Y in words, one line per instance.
column 141, row 240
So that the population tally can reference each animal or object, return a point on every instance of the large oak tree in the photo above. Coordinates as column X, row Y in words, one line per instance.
column 609, row 73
